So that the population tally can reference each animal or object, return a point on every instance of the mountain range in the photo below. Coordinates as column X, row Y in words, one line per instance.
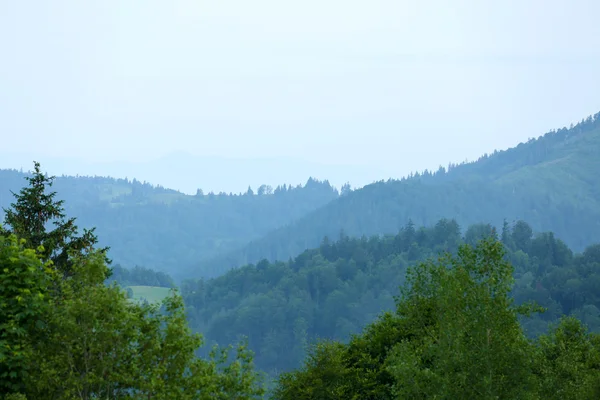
column 187, row 172
column 551, row 182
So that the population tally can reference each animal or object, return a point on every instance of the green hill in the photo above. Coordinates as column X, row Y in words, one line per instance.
column 552, row 182
column 338, row 288
column 166, row 230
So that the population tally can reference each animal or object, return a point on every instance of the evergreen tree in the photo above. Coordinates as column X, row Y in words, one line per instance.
column 34, row 211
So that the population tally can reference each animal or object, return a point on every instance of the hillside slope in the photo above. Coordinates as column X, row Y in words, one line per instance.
column 164, row 229
column 552, row 182
column 336, row 289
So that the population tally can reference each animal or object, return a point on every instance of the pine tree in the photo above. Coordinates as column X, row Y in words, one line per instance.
column 32, row 213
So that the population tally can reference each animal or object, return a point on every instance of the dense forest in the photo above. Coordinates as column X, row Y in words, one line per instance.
column 454, row 333
column 550, row 182
column 335, row 290
column 168, row 231
column 479, row 314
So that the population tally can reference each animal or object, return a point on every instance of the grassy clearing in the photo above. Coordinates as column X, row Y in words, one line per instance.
column 152, row 294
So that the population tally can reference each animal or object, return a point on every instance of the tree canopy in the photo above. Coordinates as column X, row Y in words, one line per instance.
column 335, row 290
column 455, row 334
column 65, row 334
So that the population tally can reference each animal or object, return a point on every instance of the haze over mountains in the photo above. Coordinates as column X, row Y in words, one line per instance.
column 205, row 235
column 185, row 172
column 550, row 182
column 167, row 230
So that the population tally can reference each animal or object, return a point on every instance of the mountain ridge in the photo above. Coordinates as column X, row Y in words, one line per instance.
column 529, row 173
column 185, row 172
column 161, row 228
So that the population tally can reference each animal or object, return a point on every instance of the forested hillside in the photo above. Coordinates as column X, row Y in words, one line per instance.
column 454, row 333
column 462, row 326
column 139, row 276
column 551, row 182
column 65, row 334
column 335, row 290
column 166, row 230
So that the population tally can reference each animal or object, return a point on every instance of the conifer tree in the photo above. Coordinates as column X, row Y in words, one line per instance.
column 31, row 216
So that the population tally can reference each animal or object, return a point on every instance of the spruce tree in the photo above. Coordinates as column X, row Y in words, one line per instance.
column 33, row 213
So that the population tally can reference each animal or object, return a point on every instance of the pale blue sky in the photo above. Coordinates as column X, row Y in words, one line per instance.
column 386, row 86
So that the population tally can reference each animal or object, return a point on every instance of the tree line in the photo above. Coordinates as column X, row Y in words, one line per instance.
column 139, row 276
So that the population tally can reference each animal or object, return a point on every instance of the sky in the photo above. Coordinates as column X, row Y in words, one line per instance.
column 347, row 90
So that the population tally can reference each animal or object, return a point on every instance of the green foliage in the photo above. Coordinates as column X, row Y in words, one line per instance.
column 65, row 334
column 15, row 396
column 102, row 346
column 24, row 300
column 455, row 334
column 333, row 291
column 322, row 376
column 467, row 341
column 569, row 362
